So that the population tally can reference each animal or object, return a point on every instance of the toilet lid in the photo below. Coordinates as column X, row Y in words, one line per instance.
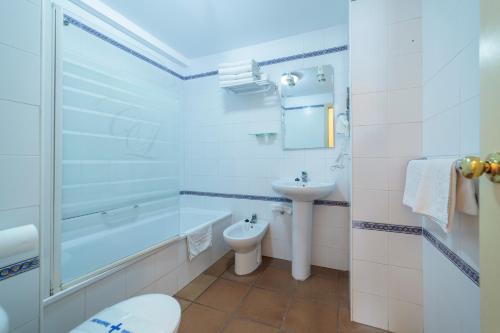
column 154, row 313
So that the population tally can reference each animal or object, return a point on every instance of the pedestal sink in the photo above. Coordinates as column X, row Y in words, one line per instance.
column 302, row 196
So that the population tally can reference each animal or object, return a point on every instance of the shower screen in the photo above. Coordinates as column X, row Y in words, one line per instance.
column 117, row 151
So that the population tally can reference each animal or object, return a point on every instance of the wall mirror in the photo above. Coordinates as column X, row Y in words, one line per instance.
column 307, row 113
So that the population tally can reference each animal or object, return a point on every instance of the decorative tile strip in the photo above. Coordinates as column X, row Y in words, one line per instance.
column 397, row 228
column 70, row 20
column 19, row 268
column 468, row 270
column 262, row 198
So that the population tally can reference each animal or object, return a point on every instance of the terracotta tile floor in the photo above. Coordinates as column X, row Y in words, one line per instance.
column 267, row 301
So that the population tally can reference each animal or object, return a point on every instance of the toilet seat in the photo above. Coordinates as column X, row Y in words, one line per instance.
column 153, row 313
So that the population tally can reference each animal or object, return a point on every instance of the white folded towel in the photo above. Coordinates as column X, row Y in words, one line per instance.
column 414, row 172
column 229, row 77
column 237, row 63
column 199, row 240
column 436, row 195
column 232, row 83
column 249, row 68
column 435, row 188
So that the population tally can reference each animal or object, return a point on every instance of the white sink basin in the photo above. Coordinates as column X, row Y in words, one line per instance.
column 304, row 192
column 302, row 195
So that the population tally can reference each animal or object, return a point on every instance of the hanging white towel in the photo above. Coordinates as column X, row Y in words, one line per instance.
column 199, row 240
column 467, row 202
column 436, row 194
column 414, row 172
column 249, row 68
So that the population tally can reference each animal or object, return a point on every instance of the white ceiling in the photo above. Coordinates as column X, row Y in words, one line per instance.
column 197, row 28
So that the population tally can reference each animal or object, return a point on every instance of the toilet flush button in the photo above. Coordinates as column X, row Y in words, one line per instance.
column 4, row 321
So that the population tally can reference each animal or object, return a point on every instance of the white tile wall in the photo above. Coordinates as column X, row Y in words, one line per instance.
column 386, row 49
column 220, row 156
column 19, row 149
column 451, row 128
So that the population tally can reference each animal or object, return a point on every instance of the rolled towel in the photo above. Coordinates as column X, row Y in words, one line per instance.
column 252, row 68
column 237, row 63
column 229, row 77
column 232, row 83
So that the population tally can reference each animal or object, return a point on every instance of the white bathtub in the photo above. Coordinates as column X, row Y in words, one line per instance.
column 99, row 243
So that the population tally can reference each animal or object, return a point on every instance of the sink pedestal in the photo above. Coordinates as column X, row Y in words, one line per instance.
column 301, row 239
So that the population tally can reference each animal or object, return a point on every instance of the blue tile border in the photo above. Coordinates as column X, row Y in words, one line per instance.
column 455, row 259
column 397, row 228
column 19, row 268
column 70, row 20
column 464, row 267
column 262, row 198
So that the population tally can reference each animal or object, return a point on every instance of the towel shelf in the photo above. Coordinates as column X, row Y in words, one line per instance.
column 258, row 86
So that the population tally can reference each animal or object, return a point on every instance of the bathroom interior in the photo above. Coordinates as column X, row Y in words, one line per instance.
column 251, row 166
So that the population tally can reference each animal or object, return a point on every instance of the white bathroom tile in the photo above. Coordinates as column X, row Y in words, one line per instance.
column 370, row 309
column 19, row 177
column 17, row 217
column 404, row 106
column 401, row 10
column 369, row 245
column 469, row 73
column 370, row 141
column 405, row 317
column 31, row 327
column 166, row 260
column 405, row 250
column 329, row 257
column 14, row 31
column 405, row 37
column 405, row 139
column 369, row 109
column 405, row 284
column 405, row 71
column 104, row 293
column 400, row 213
column 65, row 314
column 397, row 172
column 369, row 277
column 140, row 275
column 441, row 134
column 370, row 173
column 370, row 205
column 19, row 128
column 20, row 298
column 368, row 46
column 20, row 80
column 469, row 127
column 330, row 216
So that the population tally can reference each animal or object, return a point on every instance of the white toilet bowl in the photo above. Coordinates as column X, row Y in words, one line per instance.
column 153, row 313
column 245, row 239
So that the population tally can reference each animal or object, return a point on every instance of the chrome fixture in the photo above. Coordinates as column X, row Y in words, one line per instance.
column 320, row 75
column 304, row 177
column 289, row 79
column 254, row 219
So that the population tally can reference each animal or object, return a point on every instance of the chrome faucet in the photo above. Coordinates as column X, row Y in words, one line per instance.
column 304, row 177
column 254, row 219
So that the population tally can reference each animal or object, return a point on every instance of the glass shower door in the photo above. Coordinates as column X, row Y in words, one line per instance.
column 117, row 152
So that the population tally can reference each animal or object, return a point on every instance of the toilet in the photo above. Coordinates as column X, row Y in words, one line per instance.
column 245, row 238
column 152, row 313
